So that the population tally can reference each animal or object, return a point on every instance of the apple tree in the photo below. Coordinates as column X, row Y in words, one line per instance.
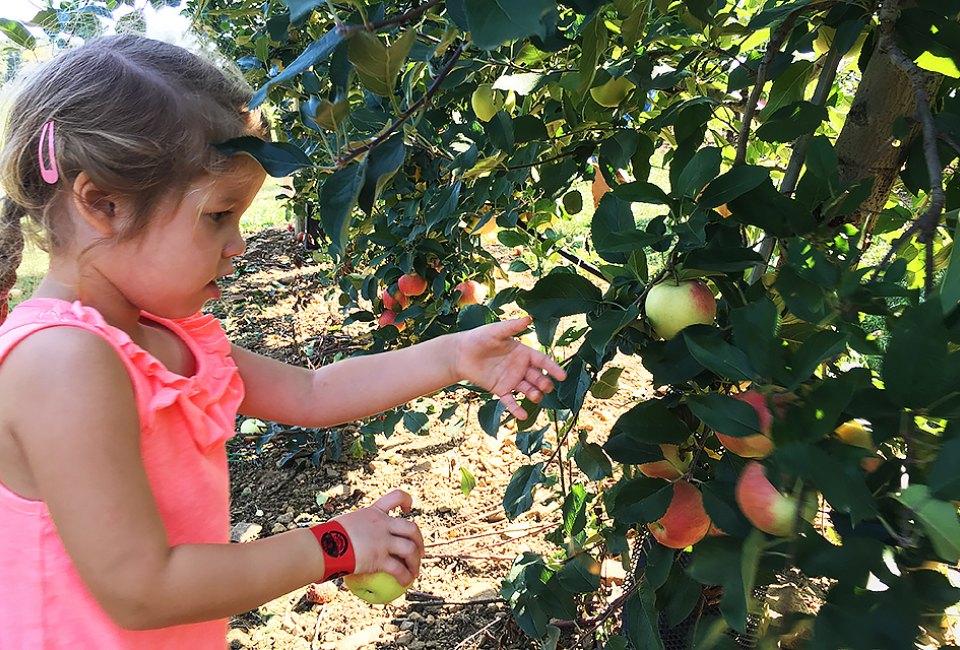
column 774, row 209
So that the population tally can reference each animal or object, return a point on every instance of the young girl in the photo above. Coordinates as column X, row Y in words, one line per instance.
column 117, row 395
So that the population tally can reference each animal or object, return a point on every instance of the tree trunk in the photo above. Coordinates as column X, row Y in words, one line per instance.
column 866, row 146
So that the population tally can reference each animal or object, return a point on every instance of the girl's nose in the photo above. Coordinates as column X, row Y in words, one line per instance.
column 236, row 246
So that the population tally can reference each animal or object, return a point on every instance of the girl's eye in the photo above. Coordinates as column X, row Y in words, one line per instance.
column 220, row 216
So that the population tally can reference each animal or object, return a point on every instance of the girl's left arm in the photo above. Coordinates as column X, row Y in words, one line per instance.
column 359, row 387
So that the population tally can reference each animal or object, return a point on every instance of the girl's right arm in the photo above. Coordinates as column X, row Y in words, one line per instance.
column 76, row 421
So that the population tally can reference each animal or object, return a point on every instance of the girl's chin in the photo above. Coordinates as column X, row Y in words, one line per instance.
column 214, row 290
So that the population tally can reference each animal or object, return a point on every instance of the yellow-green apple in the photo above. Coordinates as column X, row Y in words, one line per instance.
column 685, row 522
column 673, row 465
column 411, row 284
column 758, row 445
column 670, row 306
column 390, row 318
column 375, row 588
column 765, row 506
column 485, row 102
column 471, row 293
column 854, row 433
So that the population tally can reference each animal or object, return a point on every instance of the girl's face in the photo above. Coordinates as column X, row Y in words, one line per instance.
column 171, row 269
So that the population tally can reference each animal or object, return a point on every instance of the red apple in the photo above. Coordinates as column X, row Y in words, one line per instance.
column 764, row 505
column 670, row 306
column 685, row 522
column 394, row 302
column 471, row 293
column 854, row 433
column 671, row 467
column 390, row 318
column 411, row 284
column 756, row 446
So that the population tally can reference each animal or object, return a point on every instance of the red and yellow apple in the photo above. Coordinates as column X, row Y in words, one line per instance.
column 765, row 506
column 671, row 306
column 685, row 522
column 394, row 302
column 756, row 446
column 375, row 588
column 854, row 433
column 390, row 318
column 471, row 293
column 673, row 465
column 411, row 284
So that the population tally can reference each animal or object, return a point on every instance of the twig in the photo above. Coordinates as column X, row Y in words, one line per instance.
column 598, row 620
column 487, row 534
column 429, row 600
column 928, row 222
column 460, row 556
column 353, row 153
column 402, row 19
column 773, row 48
column 824, row 86
column 481, row 631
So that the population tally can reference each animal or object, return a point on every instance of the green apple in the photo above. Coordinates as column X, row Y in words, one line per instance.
column 375, row 588
column 670, row 306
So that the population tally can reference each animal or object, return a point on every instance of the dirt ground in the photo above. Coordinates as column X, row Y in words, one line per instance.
column 275, row 306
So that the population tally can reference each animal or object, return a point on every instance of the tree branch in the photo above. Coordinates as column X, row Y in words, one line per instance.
column 927, row 223
column 402, row 19
column 404, row 116
column 773, row 48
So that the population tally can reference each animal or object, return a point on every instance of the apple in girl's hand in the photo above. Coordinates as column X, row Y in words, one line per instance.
column 685, row 522
column 670, row 306
column 375, row 588
column 471, row 293
column 411, row 284
column 764, row 505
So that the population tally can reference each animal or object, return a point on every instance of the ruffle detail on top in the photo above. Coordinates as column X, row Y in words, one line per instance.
column 209, row 399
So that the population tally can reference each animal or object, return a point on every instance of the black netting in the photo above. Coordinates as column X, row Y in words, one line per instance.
column 680, row 636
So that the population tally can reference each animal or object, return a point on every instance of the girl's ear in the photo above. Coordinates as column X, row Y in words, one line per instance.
column 95, row 206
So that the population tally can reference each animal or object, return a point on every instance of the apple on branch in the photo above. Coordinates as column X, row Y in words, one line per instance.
column 765, row 506
column 671, row 306
column 758, row 445
column 854, row 433
column 411, row 284
column 375, row 588
column 471, row 293
column 390, row 318
column 673, row 465
column 685, row 522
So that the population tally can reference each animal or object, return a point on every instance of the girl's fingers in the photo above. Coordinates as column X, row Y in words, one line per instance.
column 533, row 393
column 407, row 552
column 510, row 402
column 550, row 366
column 408, row 530
column 394, row 499
column 399, row 570
column 538, row 379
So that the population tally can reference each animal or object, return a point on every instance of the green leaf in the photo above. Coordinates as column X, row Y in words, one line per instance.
column 843, row 491
column 731, row 563
column 490, row 415
column 278, row 159
column 939, row 519
column 822, row 345
column 755, row 331
column 579, row 574
column 615, row 232
column 913, row 368
column 317, row 52
column 647, row 423
column 733, row 184
column 732, row 417
column 560, row 294
column 950, row 286
column 382, row 163
column 592, row 461
column 641, row 619
column 338, row 197
column 18, row 33
column 944, row 479
column 574, row 510
column 518, row 497
column 494, row 22
column 415, row 421
column 467, row 481
column 607, row 384
column 378, row 65
column 500, row 130
column 641, row 192
column 792, row 121
column 593, row 44
column 707, row 346
column 300, row 10
column 702, row 168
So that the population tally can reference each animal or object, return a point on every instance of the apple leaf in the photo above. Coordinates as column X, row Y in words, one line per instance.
column 939, row 519
column 733, row 184
column 467, row 481
column 278, row 159
column 490, row 415
column 579, row 575
column 608, row 383
column 913, row 367
column 560, row 294
column 707, row 346
column 592, row 461
column 318, row 51
column 382, row 163
column 518, row 497
column 493, row 22
column 649, row 422
column 641, row 618
column 338, row 197
column 729, row 416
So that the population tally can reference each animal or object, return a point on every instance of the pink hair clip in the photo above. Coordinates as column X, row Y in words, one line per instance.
column 49, row 174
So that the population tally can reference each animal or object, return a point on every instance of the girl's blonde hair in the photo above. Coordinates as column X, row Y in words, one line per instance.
column 139, row 116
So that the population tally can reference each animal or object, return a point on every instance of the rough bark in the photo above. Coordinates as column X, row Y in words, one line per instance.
column 866, row 146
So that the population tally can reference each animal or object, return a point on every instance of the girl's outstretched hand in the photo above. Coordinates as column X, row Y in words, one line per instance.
column 493, row 359
column 385, row 543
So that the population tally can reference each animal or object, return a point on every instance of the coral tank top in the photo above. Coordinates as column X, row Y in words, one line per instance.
column 184, row 425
